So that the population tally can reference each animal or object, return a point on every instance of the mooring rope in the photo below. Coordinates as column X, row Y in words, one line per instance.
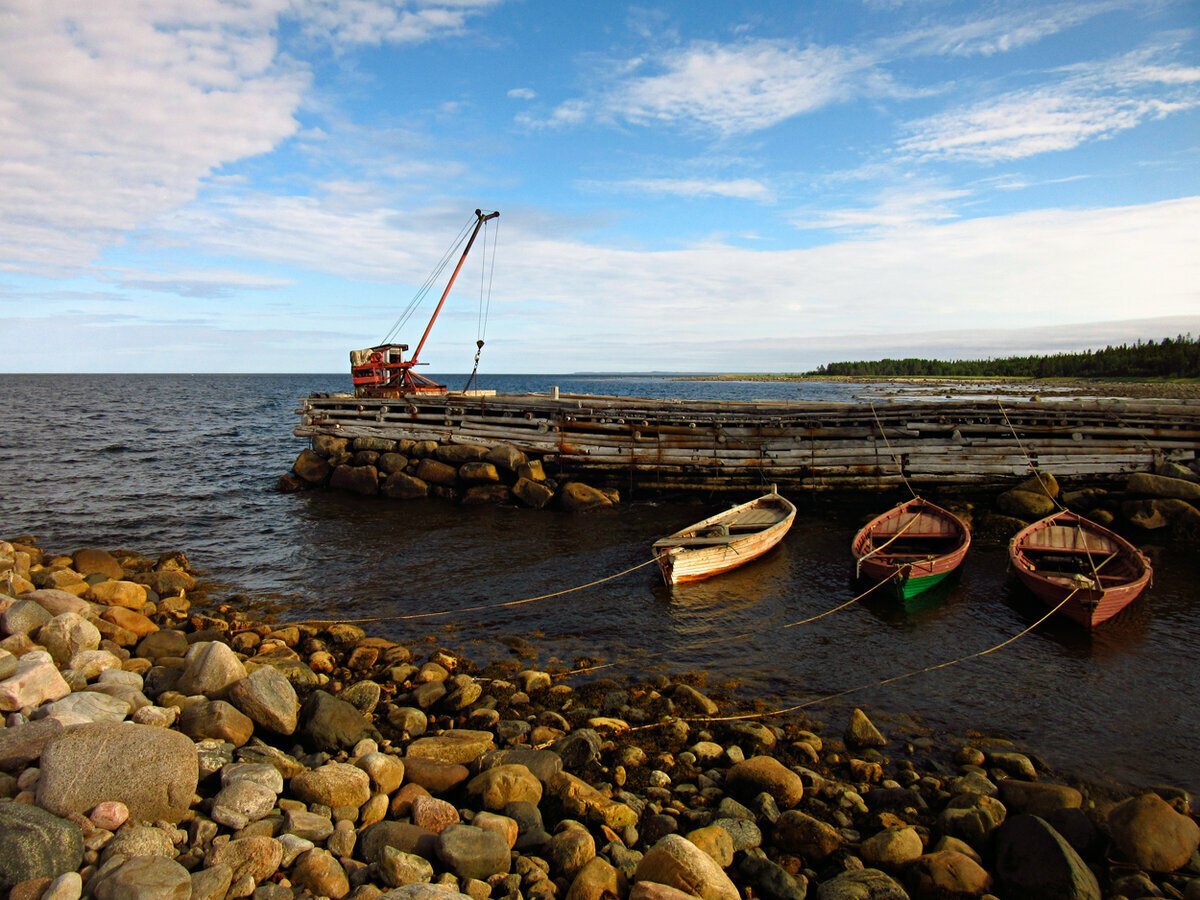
column 1028, row 459
column 480, row 607
column 862, row 687
column 891, row 452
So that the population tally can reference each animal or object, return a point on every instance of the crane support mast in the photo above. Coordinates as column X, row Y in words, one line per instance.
column 382, row 371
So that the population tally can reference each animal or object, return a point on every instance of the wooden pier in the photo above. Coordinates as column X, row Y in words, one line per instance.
column 675, row 445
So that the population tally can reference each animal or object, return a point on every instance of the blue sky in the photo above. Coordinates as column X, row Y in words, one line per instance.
column 262, row 185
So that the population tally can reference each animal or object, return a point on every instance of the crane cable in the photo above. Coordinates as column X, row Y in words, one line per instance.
column 423, row 291
column 486, row 273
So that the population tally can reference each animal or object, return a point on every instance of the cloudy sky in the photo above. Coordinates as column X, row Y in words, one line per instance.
column 263, row 185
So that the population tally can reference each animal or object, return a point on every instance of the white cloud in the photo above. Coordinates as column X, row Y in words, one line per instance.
column 116, row 112
column 894, row 208
column 1004, row 32
column 522, row 93
column 375, row 22
column 1084, row 103
column 743, row 87
column 738, row 188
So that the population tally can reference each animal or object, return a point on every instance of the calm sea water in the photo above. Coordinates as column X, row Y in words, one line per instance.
column 168, row 462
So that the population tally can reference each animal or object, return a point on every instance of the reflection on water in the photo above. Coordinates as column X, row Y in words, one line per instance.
column 159, row 463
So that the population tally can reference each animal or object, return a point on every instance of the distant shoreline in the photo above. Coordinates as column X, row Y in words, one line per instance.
column 1140, row 388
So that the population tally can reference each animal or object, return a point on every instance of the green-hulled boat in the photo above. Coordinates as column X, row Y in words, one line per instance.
column 915, row 545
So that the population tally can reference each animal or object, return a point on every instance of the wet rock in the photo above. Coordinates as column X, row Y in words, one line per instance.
column 765, row 773
column 312, row 467
column 496, row 787
column 806, row 836
column 1034, row 861
column 333, row 724
column 145, row 878
column 577, row 497
column 485, row 494
column 402, row 486
column 153, row 771
column 744, row 833
column 678, row 863
column 268, row 698
column 861, row 733
column 1150, row 833
column 532, row 493
column 362, row 480
column 333, row 785
column 471, row 852
column 36, row 844
column 431, row 471
column 579, row 748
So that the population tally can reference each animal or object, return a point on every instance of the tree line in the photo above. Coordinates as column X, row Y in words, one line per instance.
column 1177, row 357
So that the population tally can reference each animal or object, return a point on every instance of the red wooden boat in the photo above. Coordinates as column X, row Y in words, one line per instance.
column 915, row 544
column 1067, row 557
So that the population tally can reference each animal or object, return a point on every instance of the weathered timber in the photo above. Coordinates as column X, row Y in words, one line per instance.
column 730, row 445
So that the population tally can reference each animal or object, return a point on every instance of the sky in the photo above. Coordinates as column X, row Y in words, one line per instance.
column 265, row 185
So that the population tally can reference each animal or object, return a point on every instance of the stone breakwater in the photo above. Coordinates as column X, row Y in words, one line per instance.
column 465, row 473
column 160, row 744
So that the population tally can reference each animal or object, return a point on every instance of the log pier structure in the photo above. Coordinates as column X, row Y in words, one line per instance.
column 690, row 445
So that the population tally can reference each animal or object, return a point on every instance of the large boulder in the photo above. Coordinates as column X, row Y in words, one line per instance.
column 1025, row 504
column 462, row 746
column 333, row 785
column 764, row 773
column 948, row 873
column 153, row 771
column 312, row 467
column 357, row 479
column 472, row 852
column 1152, row 835
column 577, row 497
column 457, row 454
column 495, row 788
column 506, row 456
column 1040, row 483
column 401, row 486
column 144, row 878
column 211, row 669
column 35, row 681
column 129, row 594
column 36, row 844
column 1162, row 487
column 268, row 698
column 327, row 445
column 677, row 862
column 90, row 561
column 861, row 884
column 333, row 724
column 805, row 836
column 1035, row 862
column 532, row 493
column 67, row 634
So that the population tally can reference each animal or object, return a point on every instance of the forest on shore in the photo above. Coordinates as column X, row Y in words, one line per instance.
column 1177, row 357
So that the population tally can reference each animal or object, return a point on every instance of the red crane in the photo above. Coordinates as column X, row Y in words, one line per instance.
column 382, row 371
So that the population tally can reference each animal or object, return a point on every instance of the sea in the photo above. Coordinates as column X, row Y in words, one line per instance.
column 159, row 463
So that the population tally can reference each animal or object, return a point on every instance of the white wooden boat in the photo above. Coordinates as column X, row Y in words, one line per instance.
column 724, row 541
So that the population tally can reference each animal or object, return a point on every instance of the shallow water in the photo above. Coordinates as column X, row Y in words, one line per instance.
column 167, row 462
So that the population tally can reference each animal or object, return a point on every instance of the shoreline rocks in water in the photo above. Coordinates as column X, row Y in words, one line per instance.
column 189, row 749
column 465, row 473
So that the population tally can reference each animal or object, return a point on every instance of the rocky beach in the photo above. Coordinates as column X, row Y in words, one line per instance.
column 163, row 740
